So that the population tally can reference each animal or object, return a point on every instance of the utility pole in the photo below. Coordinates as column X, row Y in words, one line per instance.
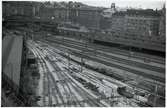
column 82, row 64
column 68, row 61
column 82, row 61
column 92, row 39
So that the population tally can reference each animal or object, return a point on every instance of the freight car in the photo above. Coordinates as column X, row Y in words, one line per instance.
column 74, row 33
column 156, row 101
column 124, row 92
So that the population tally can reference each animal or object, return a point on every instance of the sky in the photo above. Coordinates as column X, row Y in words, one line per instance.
column 124, row 3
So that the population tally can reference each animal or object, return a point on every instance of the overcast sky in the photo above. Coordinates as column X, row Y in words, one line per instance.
column 124, row 3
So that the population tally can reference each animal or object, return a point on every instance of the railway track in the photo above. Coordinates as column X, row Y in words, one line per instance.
column 114, row 57
column 113, row 50
column 92, row 76
column 78, row 88
column 114, row 81
column 69, row 84
column 108, row 63
column 62, row 48
column 52, row 49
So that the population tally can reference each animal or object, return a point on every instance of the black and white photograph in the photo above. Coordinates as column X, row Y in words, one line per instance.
column 83, row 53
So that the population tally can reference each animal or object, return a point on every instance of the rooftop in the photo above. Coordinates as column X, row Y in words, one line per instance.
column 139, row 12
column 144, row 12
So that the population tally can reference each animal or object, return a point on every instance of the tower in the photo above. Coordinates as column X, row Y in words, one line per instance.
column 113, row 6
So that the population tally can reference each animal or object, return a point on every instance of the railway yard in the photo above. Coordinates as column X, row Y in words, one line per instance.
column 79, row 73
column 75, row 54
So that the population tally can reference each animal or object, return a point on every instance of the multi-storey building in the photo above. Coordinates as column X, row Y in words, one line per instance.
column 46, row 13
column 141, row 27
column 105, row 23
column 162, row 25
column 55, row 14
column 89, row 17
column 84, row 15
column 18, row 8
column 138, row 28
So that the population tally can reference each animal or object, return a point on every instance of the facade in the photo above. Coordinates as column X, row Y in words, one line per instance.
column 105, row 23
column 89, row 18
column 49, row 13
column 142, row 24
column 61, row 14
column 85, row 16
column 142, row 28
column 138, row 28
column 18, row 8
column 162, row 25
column 55, row 14
column 106, row 17
column 72, row 12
